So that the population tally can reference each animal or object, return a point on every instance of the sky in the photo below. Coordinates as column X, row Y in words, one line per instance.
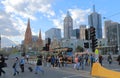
column 46, row 14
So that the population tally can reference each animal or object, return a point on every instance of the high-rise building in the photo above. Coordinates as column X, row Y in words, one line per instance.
column 68, row 26
column 76, row 33
column 112, row 33
column 82, row 32
column 53, row 33
column 28, row 36
column 0, row 41
column 94, row 19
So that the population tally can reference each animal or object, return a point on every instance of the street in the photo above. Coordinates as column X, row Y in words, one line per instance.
column 50, row 72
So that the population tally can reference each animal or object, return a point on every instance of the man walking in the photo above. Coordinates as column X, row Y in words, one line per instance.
column 2, row 61
column 22, row 62
column 38, row 65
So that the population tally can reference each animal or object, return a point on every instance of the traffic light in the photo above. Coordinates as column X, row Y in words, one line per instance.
column 92, row 33
column 47, row 47
column 86, row 45
column 93, row 38
column 94, row 44
column 48, row 41
column 86, row 34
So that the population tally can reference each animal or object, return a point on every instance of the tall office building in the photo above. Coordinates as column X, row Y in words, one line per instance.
column 112, row 33
column 82, row 32
column 53, row 33
column 94, row 19
column 68, row 26
column 76, row 33
column 0, row 41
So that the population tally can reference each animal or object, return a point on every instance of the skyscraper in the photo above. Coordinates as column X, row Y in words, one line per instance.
column 0, row 41
column 82, row 31
column 94, row 19
column 28, row 35
column 68, row 26
column 76, row 33
column 112, row 34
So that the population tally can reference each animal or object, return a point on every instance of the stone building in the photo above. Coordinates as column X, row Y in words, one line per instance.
column 31, row 42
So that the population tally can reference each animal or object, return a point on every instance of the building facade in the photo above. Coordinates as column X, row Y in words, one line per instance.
column 112, row 34
column 53, row 33
column 68, row 26
column 30, row 42
column 76, row 33
column 0, row 41
column 82, row 32
column 94, row 19
column 28, row 36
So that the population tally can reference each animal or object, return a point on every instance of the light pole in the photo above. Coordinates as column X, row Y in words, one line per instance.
column 118, row 38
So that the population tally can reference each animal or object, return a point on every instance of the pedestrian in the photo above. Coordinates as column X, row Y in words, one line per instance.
column 38, row 65
column 100, row 59
column 27, row 58
column 83, row 61
column 15, row 66
column 76, row 62
column 53, row 61
column 109, row 59
column 22, row 62
column 92, row 59
column 118, row 59
column 2, row 61
column 65, row 61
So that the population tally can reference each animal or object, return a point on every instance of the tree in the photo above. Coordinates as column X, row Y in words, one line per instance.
column 79, row 49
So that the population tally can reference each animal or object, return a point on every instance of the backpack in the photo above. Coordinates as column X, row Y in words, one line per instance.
column 39, row 62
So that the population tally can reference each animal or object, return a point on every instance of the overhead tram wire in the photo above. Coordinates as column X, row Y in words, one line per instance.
column 112, row 15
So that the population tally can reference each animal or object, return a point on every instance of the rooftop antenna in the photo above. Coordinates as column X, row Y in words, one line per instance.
column 93, row 8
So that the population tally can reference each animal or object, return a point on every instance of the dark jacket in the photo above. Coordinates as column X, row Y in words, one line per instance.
column 2, row 61
column 39, row 62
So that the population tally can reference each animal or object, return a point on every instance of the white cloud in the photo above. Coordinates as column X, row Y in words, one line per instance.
column 79, row 16
column 27, row 8
column 15, row 12
column 6, row 25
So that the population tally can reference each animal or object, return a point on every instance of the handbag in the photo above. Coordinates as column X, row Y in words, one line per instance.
column 14, row 65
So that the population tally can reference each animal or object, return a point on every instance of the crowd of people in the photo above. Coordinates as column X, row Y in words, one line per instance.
column 56, row 61
column 79, row 61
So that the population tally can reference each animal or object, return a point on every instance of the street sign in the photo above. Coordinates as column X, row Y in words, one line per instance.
column 96, row 51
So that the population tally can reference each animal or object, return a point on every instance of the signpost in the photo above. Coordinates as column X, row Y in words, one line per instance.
column 96, row 55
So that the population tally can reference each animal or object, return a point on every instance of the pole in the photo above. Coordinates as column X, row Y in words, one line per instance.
column 118, row 38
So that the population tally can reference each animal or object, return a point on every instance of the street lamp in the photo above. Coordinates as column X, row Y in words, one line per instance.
column 118, row 38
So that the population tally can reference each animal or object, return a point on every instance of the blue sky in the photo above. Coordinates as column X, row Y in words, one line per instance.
column 46, row 14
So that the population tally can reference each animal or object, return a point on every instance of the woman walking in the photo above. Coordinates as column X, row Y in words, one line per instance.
column 15, row 66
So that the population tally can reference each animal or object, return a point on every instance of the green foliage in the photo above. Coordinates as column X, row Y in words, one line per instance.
column 79, row 49
column 4, row 52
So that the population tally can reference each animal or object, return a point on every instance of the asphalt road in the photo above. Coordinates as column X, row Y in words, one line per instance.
column 50, row 72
